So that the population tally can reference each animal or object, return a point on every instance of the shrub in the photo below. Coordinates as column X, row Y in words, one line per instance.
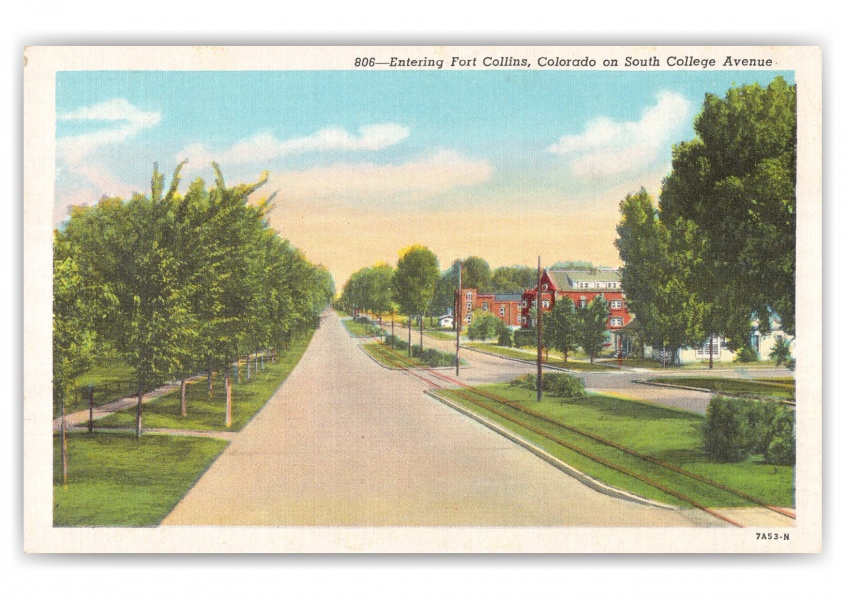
column 396, row 342
column 433, row 357
column 781, row 449
column 506, row 338
column 525, row 337
column 746, row 354
column 781, row 354
column 561, row 385
column 528, row 381
column 735, row 428
column 727, row 430
column 484, row 326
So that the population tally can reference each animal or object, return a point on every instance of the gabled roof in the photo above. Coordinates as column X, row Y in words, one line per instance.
column 568, row 280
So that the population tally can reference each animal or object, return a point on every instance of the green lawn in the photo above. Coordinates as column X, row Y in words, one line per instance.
column 553, row 361
column 394, row 357
column 780, row 389
column 112, row 380
column 115, row 480
column 672, row 436
column 248, row 397
column 439, row 334
column 634, row 363
column 360, row 329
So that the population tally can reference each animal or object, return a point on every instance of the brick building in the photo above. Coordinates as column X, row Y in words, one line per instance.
column 581, row 286
column 505, row 306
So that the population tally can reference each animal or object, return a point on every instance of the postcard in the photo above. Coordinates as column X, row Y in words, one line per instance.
column 423, row 299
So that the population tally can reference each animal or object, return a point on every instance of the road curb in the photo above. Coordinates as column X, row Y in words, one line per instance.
column 670, row 385
column 555, row 462
column 611, row 369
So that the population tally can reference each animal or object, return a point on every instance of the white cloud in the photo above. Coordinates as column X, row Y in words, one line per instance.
column 80, row 177
column 122, row 121
column 264, row 147
column 436, row 174
column 608, row 147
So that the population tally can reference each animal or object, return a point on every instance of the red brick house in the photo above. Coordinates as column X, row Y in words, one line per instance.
column 505, row 306
column 581, row 286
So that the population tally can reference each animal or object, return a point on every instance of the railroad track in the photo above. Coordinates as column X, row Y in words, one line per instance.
column 481, row 398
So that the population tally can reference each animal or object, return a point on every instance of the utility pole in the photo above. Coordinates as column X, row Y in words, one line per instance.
column 457, row 320
column 539, row 325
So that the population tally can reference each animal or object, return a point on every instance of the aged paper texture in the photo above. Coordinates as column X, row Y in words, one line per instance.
column 251, row 262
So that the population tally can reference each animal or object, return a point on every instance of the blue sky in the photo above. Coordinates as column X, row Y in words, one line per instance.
column 503, row 164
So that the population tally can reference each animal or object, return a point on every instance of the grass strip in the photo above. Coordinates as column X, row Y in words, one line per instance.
column 746, row 388
column 555, row 362
column 667, row 435
column 360, row 328
column 209, row 414
column 116, row 480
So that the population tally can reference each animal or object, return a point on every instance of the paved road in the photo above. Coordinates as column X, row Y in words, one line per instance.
column 347, row 442
column 620, row 382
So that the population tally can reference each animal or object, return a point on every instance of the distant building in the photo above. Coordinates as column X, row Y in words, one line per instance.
column 581, row 286
column 446, row 321
column 505, row 306
column 762, row 343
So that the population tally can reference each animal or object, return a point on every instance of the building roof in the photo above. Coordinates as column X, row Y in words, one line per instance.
column 568, row 280
column 511, row 297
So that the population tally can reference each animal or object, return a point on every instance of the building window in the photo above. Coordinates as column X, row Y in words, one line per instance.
column 523, row 304
column 469, row 317
column 616, row 322
column 545, row 287
column 616, row 304
column 469, row 295
column 469, row 306
column 546, row 303
column 501, row 311
column 484, row 306
column 524, row 320
column 582, row 303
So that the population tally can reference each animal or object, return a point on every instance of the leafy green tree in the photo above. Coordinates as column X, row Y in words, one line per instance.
column 736, row 181
column 444, row 297
column 659, row 276
column 74, row 336
column 580, row 265
column 781, row 354
column 476, row 274
column 560, row 327
column 591, row 326
column 414, row 283
column 515, row 279
column 484, row 326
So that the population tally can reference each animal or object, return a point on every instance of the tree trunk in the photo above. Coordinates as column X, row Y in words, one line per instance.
column 211, row 384
column 409, row 336
column 228, row 384
column 138, row 412
column 64, row 448
column 711, row 352
column 249, row 357
column 421, row 336
column 184, row 402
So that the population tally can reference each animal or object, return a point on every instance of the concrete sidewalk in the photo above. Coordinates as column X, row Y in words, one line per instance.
column 80, row 418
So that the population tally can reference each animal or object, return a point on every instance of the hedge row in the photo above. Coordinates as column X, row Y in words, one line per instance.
column 735, row 428
column 557, row 384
